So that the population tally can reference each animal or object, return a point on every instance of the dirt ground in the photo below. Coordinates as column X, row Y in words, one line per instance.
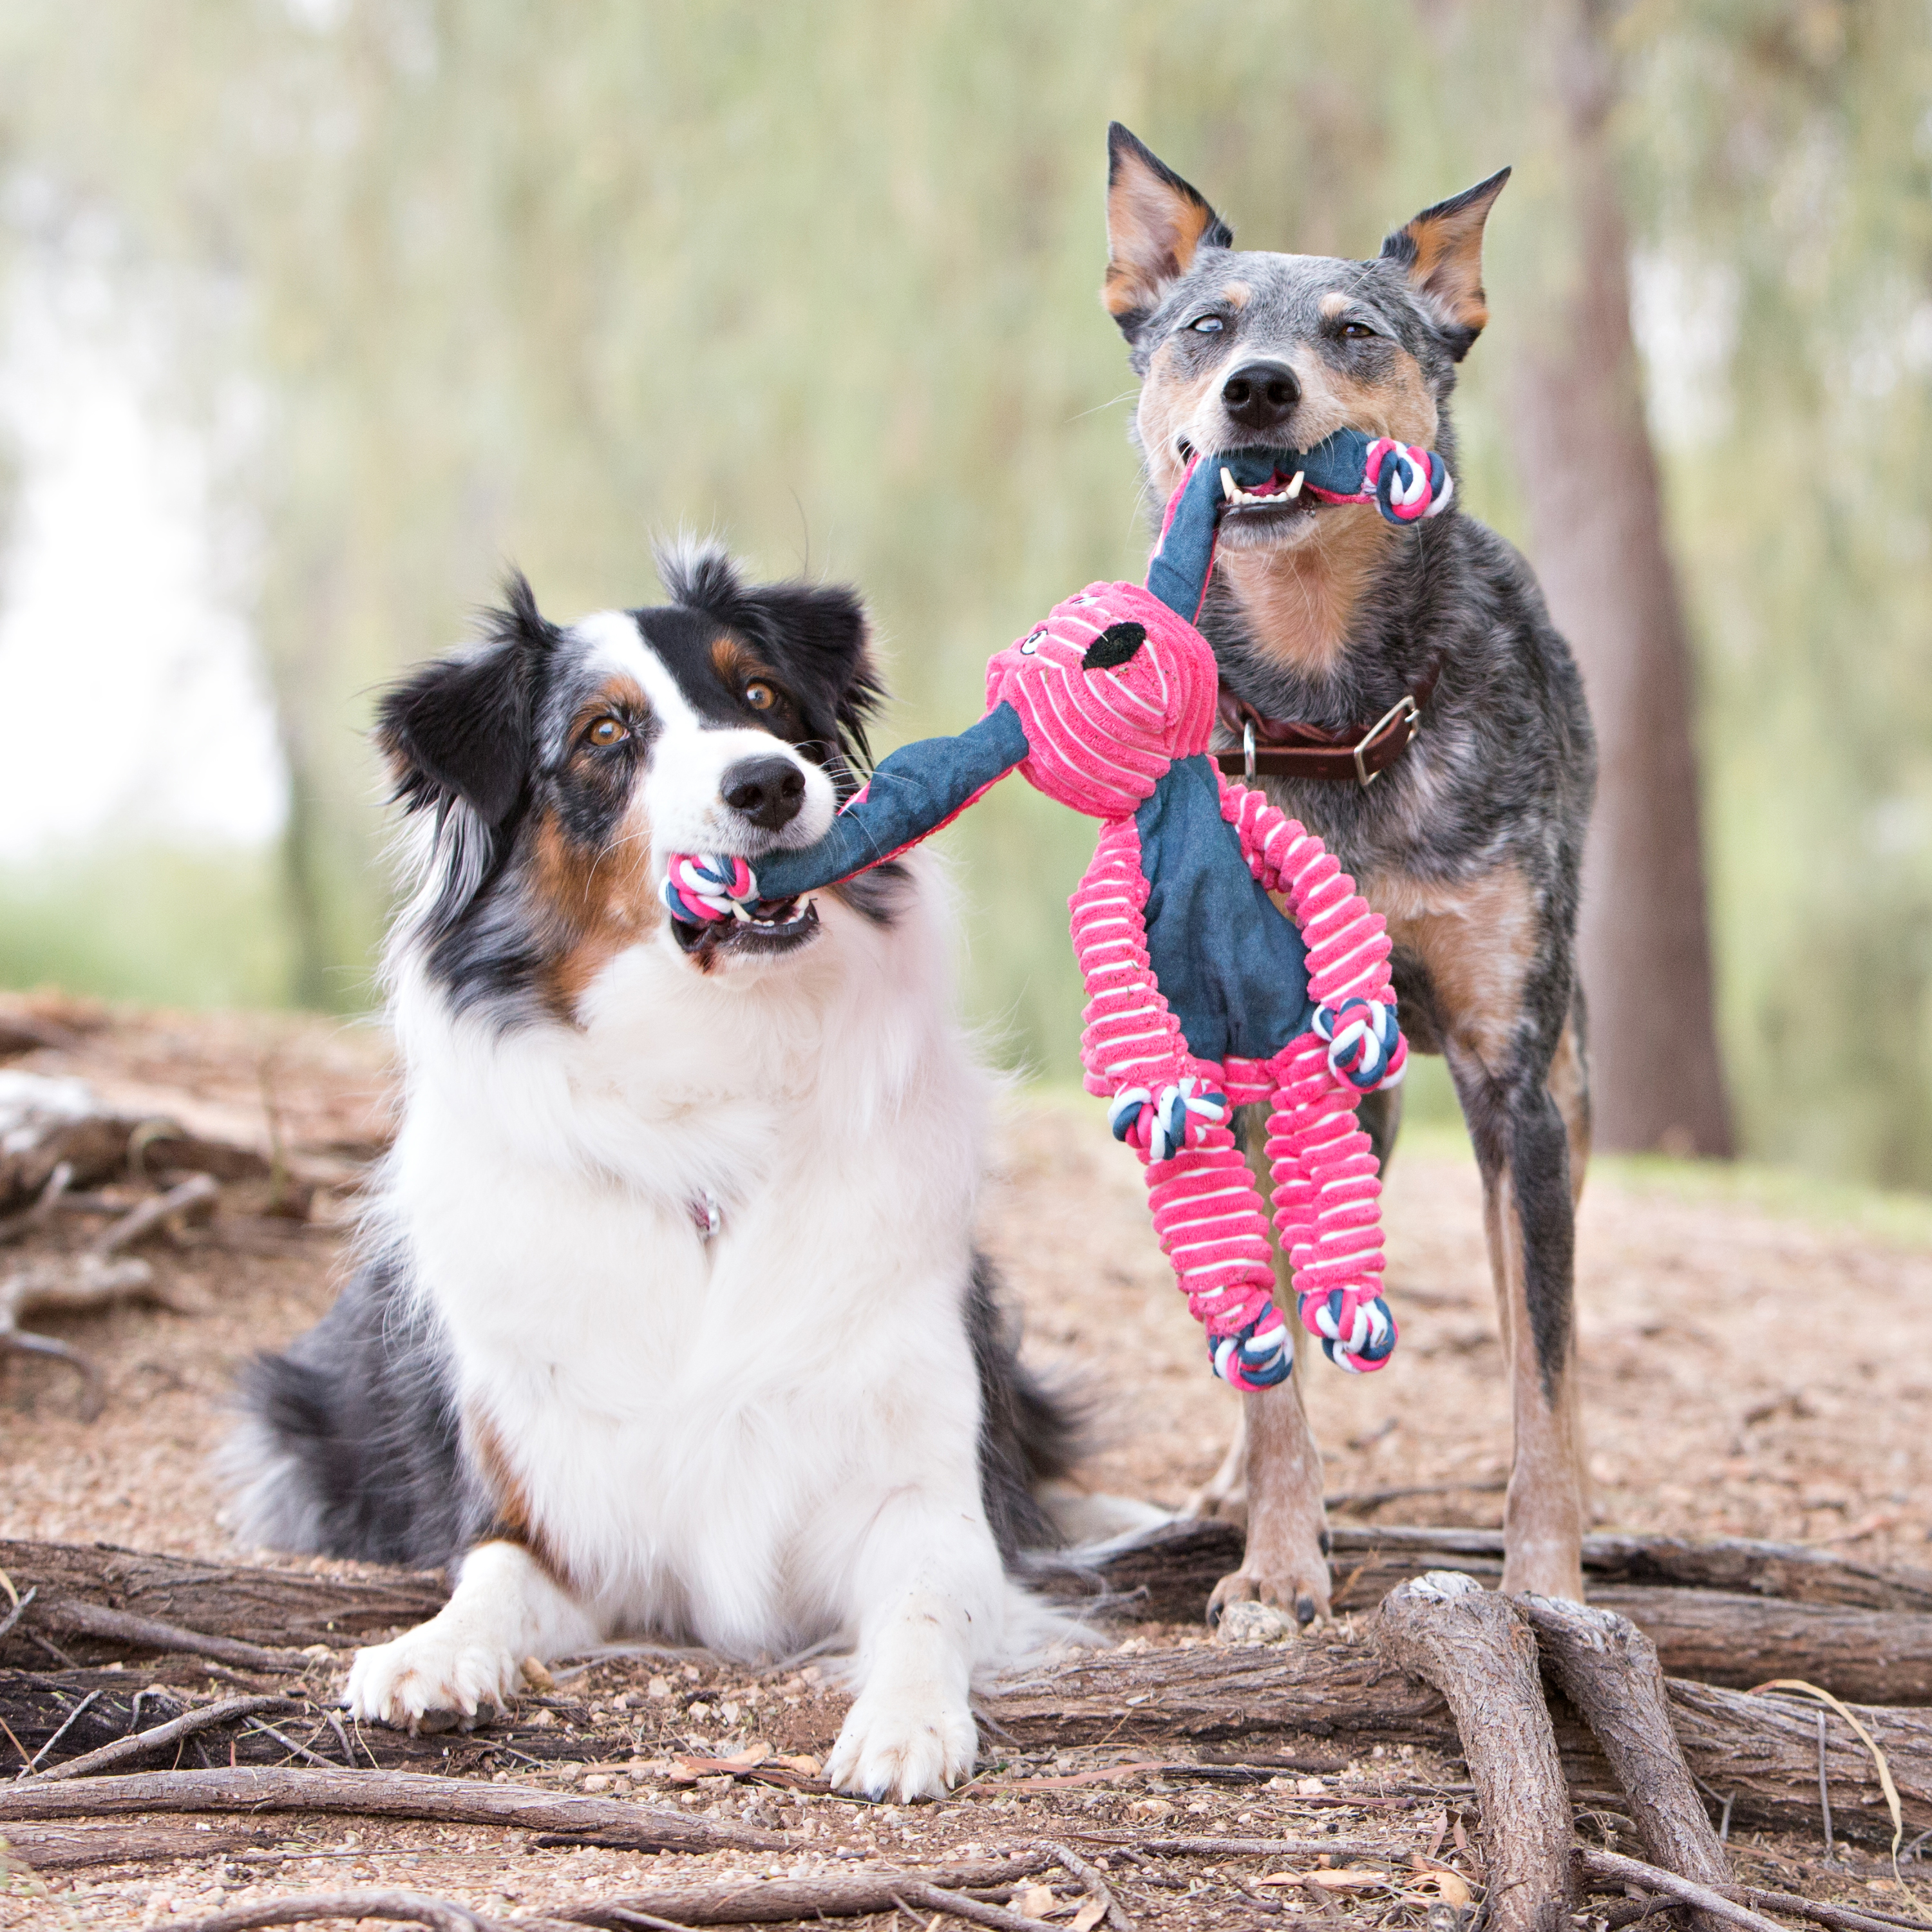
column 1755, row 1362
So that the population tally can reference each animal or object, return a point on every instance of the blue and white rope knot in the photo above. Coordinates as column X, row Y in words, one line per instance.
column 1170, row 1128
column 710, row 887
column 1370, row 1336
column 1259, row 1356
column 1407, row 490
column 1363, row 1036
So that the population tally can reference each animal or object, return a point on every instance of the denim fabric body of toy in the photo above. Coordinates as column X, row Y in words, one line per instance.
column 1202, row 996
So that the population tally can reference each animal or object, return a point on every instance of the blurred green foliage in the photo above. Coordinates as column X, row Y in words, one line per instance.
column 520, row 282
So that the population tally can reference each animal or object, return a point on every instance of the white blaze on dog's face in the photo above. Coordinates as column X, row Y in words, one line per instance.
column 563, row 765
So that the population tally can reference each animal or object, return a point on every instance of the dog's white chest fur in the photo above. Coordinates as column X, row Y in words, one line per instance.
column 702, row 1431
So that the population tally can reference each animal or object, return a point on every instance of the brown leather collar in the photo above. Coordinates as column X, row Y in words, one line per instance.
column 1276, row 747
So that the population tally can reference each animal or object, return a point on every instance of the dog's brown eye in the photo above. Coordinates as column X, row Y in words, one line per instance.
column 760, row 696
column 1357, row 331
column 606, row 731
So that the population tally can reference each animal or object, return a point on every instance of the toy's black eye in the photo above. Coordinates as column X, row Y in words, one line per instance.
column 606, row 730
column 760, row 696
column 1114, row 646
column 1358, row 331
column 1208, row 325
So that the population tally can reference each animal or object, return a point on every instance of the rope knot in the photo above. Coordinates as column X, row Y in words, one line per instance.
column 1163, row 1127
column 1409, row 481
column 1358, row 1332
column 1365, row 1047
column 700, row 887
column 1256, row 1357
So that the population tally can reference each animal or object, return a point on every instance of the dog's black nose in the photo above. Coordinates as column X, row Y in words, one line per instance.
column 768, row 791
column 1261, row 396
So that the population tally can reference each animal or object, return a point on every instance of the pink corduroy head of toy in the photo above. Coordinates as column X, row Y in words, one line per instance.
column 1106, row 720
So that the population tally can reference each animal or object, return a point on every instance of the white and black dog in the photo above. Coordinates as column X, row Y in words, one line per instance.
column 669, row 1319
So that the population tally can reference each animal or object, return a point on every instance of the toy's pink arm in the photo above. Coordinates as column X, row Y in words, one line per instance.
column 1132, row 1037
column 1347, row 943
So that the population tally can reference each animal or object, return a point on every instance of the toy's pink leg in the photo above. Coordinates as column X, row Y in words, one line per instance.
column 1208, row 1214
column 1327, row 1196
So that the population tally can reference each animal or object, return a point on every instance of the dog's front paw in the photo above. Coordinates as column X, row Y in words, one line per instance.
column 903, row 1743
column 1287, row 1587
column 429, row 1674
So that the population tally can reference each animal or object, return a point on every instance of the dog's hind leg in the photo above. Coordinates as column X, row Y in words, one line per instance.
column 1530, row 1133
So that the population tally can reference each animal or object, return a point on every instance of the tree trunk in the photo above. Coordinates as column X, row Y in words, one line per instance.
column 1596, row 520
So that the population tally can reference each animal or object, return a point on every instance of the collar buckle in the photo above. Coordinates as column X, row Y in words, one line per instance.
column 1405, row 711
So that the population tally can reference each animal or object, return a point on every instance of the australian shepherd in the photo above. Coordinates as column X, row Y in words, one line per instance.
column 668, row 1318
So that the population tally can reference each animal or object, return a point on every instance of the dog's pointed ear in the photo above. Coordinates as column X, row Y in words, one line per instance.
column 461, row 728
column 1440, row 251
column 1156, row 225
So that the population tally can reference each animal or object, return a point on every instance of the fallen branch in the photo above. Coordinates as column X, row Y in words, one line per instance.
column 371, row 1794
column 1608, row 1669
column 84, row 1282
column 1475, row 1648
column 1844, row 1917
column 749, row 1900
column 264, row 1607
column 1621, row 1870
column 204, row 1717
column 199, row 1190
column 18, row 1227
column 76, row 1617
column 408, row 1908
column 1164, row 1574
column 1760, row 1753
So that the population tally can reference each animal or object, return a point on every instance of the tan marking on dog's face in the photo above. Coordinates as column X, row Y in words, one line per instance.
column 598, row 901
column 1237, row 294
column 1397, row 404
column 514, row 1520
column 1332, row 304
column 601, row 903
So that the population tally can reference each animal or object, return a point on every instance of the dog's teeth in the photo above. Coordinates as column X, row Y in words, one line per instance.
column 1228, row 488
column 1294, row 488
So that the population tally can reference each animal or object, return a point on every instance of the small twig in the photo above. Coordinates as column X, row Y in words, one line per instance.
column 1092, row 1877
column 19, row 1610
column 407, row 1908
column 1825, row 1791
column 1257, row 1848
column 289, row 1743
column 141, row 1742
column 1844, row 1917
column 72, row 1718
column 143, row 1220
column 936, row 1898
column 1613, row 1865
column 18, row 1227
column 1374, row 1498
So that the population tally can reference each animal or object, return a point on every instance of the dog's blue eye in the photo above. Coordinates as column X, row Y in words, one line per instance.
column 1208, row 325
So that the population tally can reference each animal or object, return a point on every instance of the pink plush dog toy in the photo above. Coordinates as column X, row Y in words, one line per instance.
column 1202, row 996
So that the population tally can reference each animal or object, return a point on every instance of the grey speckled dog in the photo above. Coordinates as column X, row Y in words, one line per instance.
column 1329, row 622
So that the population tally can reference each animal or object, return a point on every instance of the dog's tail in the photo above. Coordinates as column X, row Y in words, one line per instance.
column 348, row 1444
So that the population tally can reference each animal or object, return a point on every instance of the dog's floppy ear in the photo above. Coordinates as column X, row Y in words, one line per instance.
column 1155, row 223
column 824, row 631
column 460, row 726
column 1441, row 252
